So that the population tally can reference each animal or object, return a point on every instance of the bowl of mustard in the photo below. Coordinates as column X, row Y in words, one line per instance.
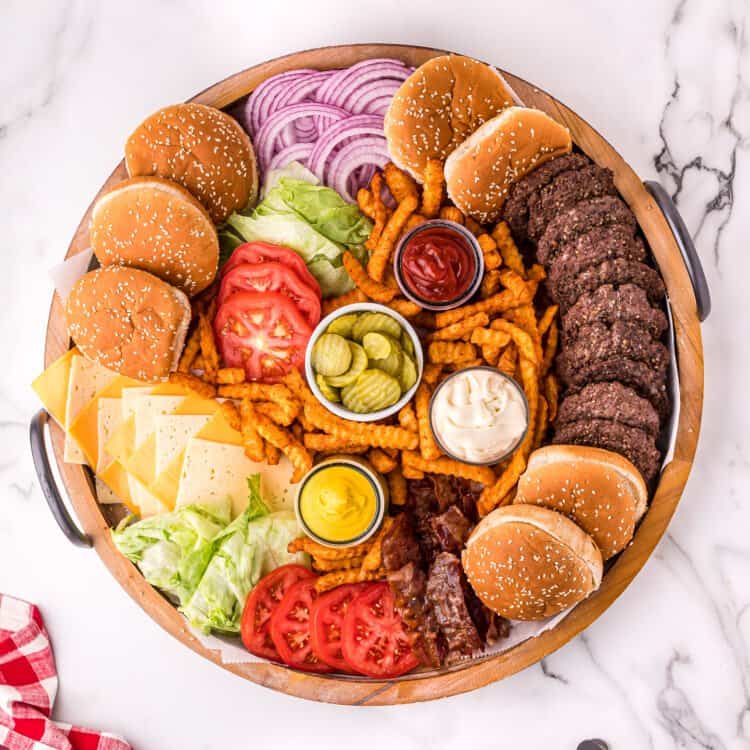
column 341, row 501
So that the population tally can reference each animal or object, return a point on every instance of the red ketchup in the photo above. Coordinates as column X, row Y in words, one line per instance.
column 438, row 265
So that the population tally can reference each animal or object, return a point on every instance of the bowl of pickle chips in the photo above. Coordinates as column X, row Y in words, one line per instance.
column 364, row 362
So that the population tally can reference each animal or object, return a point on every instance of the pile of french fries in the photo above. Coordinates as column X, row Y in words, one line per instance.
column 363, row 562
column 502, row 329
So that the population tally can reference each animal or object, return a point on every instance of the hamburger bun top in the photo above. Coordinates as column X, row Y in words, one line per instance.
column 128, row 321
column 438, row 106
column 481, row 171
column 157, row 226
column 601, row 491
column 202, row 148
column 529, row 563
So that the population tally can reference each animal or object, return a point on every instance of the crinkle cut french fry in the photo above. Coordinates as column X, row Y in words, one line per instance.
column 193, row 383
column 320, row 551
column 410, row 472
column 320, row 441
column 497, row 303
column 379, row 211
column 427, row 445
column 525, row 318
column 257, row 392
column 431, row 372
column 297, row 454
column 457, row 330
column 366, row 203
column 493, row 495
column 490, row 337
column 231, row 415
column 508, row 249
column 450, row 467
column 474, row 226
column 448, row 352
column 394, row 226
column 407, row 418
column 373, row 289
column 542, row 422
column 252, row 442
column 432, row 190
column 551, row 393
column 523, row 341
column 399, row 182
column 397, row 487
column 490, row 284
column 340, row 577
column 328, row 566
column 381, row 461
column 349, row 298
column 546, row 320
column 230, row 376
column 208, row 348
column 413, row 222
column 405, row 307
column 190, row 352
column 550, row 348
column 283, row 412
column 451, row 213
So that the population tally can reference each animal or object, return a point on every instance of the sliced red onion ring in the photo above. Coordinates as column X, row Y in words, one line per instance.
column 332, row 90
column 338, row 133
column 257, row 102
column 296, row 152
column 275, row 124
column 366, row 150
column 360, row 100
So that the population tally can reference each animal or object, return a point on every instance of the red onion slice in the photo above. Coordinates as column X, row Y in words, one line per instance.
column 266, row 137
column 258, row 101
column 296, row 152
column 352, row 127
column 366, row 150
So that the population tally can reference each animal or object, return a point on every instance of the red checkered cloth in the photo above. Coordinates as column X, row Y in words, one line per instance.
column 28, row 685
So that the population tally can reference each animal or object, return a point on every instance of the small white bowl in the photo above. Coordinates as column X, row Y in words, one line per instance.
column 381, row 499
column 338, row 409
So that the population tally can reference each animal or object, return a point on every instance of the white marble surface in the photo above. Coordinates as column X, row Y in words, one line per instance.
column 667, row 82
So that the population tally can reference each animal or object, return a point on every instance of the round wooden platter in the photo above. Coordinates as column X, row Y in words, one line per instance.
column 477, row 673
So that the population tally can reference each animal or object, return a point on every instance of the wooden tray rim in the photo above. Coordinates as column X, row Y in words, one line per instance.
column 475, row 674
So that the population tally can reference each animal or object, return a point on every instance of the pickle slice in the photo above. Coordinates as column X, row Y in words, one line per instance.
column 390, row 364
column 407, row 343
column 357, row 367
column 343, row 325
column 331, row 355
column 377, row 345
column 371, row 391
column 328, row 391
column 408, row 375
column 376, row 322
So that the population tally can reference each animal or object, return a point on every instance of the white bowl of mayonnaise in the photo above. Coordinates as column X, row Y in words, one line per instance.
column 479, row 415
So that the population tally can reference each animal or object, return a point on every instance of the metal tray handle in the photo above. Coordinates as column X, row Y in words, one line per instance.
column 687, row 248
column 47, row 481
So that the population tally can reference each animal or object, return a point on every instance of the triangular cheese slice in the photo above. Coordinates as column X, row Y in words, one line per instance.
column 52, row 386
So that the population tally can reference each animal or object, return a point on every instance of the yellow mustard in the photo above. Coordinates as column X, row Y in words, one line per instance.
column 338, row 503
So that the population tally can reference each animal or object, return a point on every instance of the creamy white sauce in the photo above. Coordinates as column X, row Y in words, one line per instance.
column 478, row 415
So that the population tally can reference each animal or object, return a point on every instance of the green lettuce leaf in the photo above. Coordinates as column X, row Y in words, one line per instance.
column 251, row 546
column 312, row 220
column 173, row 550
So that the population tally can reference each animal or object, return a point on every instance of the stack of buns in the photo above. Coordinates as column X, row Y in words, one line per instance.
column 576, row 507
column 155, row 238
column 461, row 112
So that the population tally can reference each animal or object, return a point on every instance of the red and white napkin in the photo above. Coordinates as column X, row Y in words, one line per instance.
column 28, row 685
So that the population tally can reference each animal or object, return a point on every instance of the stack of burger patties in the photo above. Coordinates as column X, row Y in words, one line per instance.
column 612, row 362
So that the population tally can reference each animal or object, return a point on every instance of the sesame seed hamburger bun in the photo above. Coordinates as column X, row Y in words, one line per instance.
column 529, row 563
column 438, row 106
column 481, row 171
column 600, row 490
column 157, row 226
column 128, row 321
column 202, row 148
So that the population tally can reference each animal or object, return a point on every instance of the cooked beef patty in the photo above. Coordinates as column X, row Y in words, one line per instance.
column 597, row 342
column 637, row 375
column 582, row 218
column 635, row 444
column 566, row 191
column 516, row 208
column 607, row 305
column 593, row 248
column 566, row 289
column 613, row 401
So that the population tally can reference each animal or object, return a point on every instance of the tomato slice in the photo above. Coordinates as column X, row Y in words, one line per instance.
column 263, row 332
column 271, row 277
column 262, row 252
column 327, row 621
column 290, row 628
column 260, row 605
column 374, row 641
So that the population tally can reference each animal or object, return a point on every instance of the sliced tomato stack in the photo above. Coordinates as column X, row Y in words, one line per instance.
column 353, row 628
column 268, row 305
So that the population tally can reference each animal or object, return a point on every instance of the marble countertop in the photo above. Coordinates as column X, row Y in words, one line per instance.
column 668, row 83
